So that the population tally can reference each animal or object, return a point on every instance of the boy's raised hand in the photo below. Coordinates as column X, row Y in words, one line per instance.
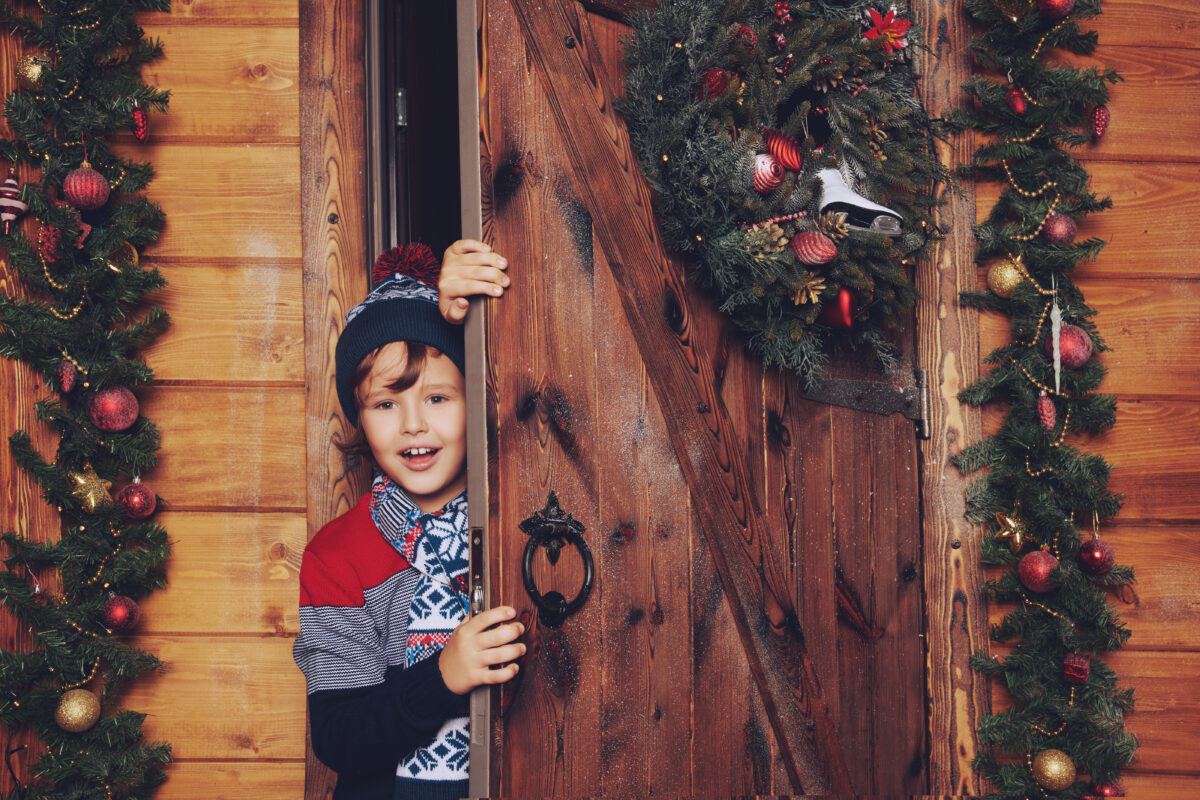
column 469, row 267
column 475, row 646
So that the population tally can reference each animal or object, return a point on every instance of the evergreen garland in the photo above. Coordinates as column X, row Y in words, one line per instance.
column 1040, row 490
column 79, row 326
column 713, row 86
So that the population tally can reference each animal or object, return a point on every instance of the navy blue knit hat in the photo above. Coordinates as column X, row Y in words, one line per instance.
column 403, row 307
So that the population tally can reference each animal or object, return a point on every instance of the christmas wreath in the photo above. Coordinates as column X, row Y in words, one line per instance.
column 793, row 162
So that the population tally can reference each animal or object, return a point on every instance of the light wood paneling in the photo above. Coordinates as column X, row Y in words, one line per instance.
column 1150, row 23
column 229, row 572
column 1151, row 228
column 223, row 697
column 228, row 201
column 1152, row 328
column 233, row 780
column 235, row 447
column 223, row 12
column 233, row 83
column 232, row 321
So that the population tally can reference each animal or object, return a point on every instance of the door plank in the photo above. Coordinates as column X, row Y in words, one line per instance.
column 547, row 428
column 599, row 152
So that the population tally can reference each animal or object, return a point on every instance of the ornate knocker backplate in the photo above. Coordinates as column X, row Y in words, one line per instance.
column 552, row 529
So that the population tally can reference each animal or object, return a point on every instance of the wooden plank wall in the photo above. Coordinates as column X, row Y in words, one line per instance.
column 230, row 399
column 1146, row 291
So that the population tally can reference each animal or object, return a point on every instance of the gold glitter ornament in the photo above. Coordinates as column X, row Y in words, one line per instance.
column 90, row 489
column 29, row 71
column 77, row 711
column 1012, row 530
column 1004, row 277
column 126, row 255
column 1014, row 9
column 1053, row 770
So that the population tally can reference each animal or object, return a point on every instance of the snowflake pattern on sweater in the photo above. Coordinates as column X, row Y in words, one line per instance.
column 436, row 546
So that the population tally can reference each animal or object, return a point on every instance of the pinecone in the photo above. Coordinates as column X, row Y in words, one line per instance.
column 833, row 224
column 810, row 289
column 1046, row 411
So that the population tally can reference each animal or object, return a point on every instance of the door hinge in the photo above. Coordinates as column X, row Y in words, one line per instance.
column 912, row 399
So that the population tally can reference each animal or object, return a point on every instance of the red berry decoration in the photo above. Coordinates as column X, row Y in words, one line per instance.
column 85, row 188
column 1016, row 101
column 67, row 374
column 1034, row 570
column 139, row 123
column 113, row 409
column 1074, row 346
column 1047, row 413
column 784, row 148
column 768, row 173
column 1059, row 229
column 1097, row 556
column 1056, row 9
column 137, row 501
column 120, row 614
column 712, row 83
column 1100, row 119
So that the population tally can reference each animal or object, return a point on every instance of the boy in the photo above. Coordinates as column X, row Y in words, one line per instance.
column 386, row 650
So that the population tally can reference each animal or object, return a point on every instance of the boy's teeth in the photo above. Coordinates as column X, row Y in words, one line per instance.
column 418, row 451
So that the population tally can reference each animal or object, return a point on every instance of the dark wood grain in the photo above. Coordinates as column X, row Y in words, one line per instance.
column 335, row 256
column 948, row 346
column 683, row 382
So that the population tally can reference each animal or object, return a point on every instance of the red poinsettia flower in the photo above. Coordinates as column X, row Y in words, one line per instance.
column 888, row 30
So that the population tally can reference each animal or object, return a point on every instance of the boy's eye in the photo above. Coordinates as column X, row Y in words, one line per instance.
column 437, row 398
column 385, row 404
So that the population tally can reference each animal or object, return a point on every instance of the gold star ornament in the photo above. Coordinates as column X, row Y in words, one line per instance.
column 1012, row 530
column 90, row 489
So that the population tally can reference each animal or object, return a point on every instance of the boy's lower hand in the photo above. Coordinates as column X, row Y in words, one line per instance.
column 475, row 646
column 469, row 268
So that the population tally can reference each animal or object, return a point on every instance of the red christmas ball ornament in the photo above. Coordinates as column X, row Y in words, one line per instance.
column 746, row 35
column 11, row 204
column 139, row 123
column 67, row 375
column 1034, row 570
column 120, row 614
column 1074, row 346
column 785, row 148
column 840, row 312
column 768, row 173
column 137, row 501
column 1076, row 668
column 1101, row 116
column 1097, row 556
column 713, row 82
column 113, row 409
column 1059, row 229
column 1111, row 789
column 85, row 188
column 1056, row 9
column 813, row 248
column 1016, row 101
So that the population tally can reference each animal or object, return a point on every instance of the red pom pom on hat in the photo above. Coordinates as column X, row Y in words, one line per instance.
column 414, row 259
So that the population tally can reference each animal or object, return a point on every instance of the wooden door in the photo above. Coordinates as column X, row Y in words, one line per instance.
column 757, row 617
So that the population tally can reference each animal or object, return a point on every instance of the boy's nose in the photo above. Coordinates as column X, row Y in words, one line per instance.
column 412, row 419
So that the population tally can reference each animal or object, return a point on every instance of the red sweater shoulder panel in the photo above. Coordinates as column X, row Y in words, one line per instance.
column 347, row 556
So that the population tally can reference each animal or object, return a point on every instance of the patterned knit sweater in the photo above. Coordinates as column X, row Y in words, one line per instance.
column 366, row 710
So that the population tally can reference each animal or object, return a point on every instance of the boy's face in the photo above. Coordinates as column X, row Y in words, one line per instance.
column 418, row 436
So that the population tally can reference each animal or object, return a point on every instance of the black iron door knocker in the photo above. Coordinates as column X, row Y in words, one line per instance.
column 552, row 529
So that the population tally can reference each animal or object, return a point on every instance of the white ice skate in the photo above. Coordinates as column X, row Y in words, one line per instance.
column 861, row 213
